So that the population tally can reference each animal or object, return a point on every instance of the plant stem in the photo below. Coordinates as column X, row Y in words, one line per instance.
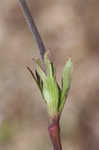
column 54, row 128
column 54, row 132
column 33, row 28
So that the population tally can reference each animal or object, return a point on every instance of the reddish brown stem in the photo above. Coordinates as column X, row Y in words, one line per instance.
column 54, row 132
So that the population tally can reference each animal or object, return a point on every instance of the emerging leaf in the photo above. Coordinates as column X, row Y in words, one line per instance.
column 50, row 89
column 53, row 95
column 49, row 66
column 66, row 83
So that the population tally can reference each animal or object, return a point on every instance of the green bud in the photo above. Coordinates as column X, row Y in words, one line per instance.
column 50, row 89
column 53, row 95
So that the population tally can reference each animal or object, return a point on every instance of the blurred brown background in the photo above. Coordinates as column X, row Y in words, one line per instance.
column 69, row 28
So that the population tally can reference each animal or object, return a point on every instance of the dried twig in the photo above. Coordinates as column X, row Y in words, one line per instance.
column 33, row 28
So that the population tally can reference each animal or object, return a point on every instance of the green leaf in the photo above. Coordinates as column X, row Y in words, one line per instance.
column 51, row 95
column 66, row 83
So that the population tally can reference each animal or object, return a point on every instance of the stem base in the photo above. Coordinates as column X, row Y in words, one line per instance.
column 54, row 132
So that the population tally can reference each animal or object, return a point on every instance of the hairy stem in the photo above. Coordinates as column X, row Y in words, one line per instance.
column 54, row 132
column 33, row 28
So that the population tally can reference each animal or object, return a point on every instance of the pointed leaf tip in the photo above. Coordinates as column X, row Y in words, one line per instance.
column 49, row 65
